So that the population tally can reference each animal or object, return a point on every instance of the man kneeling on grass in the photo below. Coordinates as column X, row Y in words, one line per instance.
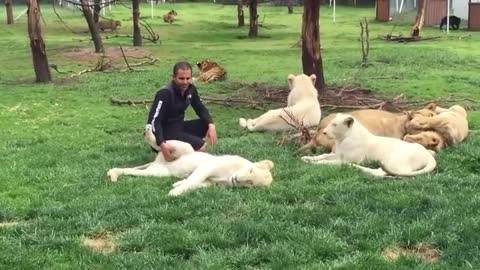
column 167, row 114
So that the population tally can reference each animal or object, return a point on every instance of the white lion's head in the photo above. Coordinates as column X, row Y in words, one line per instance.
column 302, row 87
column 253, row 175
column 339, row 126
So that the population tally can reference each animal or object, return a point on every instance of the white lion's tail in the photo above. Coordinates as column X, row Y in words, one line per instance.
column 431, row 165
column 382, row 172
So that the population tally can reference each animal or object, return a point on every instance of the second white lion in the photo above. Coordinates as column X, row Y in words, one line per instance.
column 355, row 144
column 302, row 107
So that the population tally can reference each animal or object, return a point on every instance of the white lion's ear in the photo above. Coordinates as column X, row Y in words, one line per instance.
column 291, row 78
column 265, row 164
column 313, row 77
column 349, row 121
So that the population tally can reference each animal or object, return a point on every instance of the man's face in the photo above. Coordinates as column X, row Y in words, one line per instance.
column 183, row 78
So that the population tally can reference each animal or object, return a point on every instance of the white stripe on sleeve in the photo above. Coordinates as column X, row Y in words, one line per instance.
column 157, row 110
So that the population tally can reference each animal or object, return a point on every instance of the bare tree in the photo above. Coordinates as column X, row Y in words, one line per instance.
column 241, row 17
column 291, row 3
column 311, row 56
column 9, row 8
column 137, row 35
column 252, row 7
column 97, row 39
column 39, row 54
column 420, row 19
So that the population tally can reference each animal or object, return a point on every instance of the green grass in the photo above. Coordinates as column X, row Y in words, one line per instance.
column 58, row 140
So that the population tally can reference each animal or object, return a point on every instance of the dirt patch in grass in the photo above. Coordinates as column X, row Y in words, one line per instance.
column 100, row 242
column 426, row 252
column 349, row 97
column 89, row 54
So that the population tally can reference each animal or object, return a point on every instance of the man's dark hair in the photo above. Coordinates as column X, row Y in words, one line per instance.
column 181, row 65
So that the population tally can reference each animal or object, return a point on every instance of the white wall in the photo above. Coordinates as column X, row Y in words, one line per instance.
column 460, row 9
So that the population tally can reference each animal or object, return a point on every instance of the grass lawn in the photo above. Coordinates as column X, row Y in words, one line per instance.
column 58, row 140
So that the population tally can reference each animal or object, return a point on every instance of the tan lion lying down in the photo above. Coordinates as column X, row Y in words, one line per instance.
column 302, row 105
column 431, row 140
column 201, row 169
column 355, row 144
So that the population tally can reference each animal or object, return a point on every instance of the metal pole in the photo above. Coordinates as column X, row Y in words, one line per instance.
column 448, row 16
column 334, row 15
column 151, row 4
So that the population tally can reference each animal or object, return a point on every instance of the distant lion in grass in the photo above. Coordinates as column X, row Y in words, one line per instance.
column 108, row 24
column 209, row 71
column 170, row 17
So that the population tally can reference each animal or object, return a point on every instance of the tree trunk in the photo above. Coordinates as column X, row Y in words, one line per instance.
column 9, row 8
column 137, row 35
column 420, row 19
column 311, row 57
column 39, row 55
column 253, row 33
column 97, row 39
column 96, row 11
column 291, row 3
column 241, row 17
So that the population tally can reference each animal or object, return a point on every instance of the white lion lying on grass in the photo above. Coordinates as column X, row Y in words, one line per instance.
column 355, row 144
column 302, row 107
column 201, row 169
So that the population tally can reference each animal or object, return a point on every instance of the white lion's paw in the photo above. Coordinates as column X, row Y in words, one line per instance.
column 250, row 124
column 308, row 159
column 113, row 174
column 178, row 183
column 242, row 122
column 148, row 128
column 176, row 192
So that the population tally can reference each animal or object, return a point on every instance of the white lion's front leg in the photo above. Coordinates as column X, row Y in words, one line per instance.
column 330, row 156
column 178, row 183
column 194, row 181
column 151, row 170
column 243, row 122
column 328, row 162
column 114, row 174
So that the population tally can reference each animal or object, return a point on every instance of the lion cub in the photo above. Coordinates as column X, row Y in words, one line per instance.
column 355, row 144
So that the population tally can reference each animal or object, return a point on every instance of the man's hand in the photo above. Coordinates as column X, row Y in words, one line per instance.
column 166, row 151
column 212, row 134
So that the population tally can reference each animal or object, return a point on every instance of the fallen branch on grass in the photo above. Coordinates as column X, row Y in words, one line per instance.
column 214, row 100
column 103, row 66
column 403, row 39
column 303, row 136
column 125, row 59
